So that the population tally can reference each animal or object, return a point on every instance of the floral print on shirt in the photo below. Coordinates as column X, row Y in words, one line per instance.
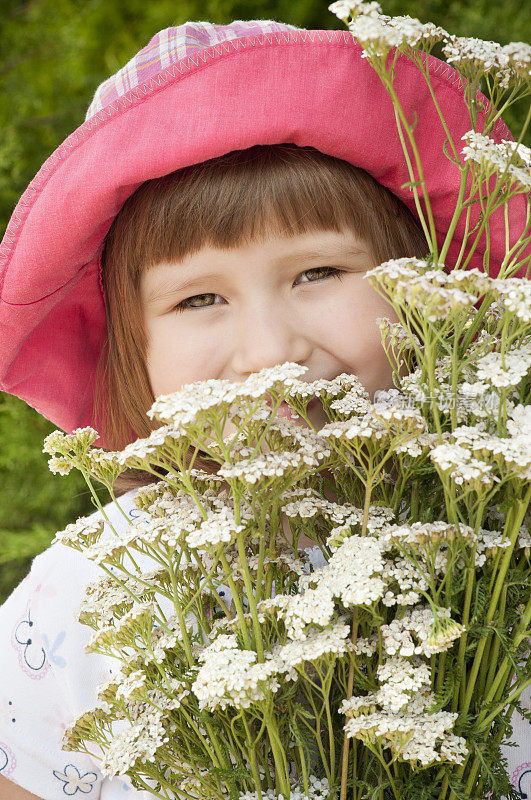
column 521, row 780
column 30, row 652
column 8, row 762
column 74, row 781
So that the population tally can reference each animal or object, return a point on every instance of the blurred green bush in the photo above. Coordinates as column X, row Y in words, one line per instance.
column 53, row 55
column 33, row 502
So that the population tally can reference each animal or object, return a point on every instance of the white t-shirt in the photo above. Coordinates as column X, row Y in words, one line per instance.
column 47, row 679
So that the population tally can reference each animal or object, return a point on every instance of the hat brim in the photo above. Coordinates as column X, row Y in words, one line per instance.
column 306, row 87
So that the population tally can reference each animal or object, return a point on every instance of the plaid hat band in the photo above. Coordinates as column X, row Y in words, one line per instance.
column 172, row 45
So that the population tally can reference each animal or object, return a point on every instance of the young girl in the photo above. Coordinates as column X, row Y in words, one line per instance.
column 214, row 215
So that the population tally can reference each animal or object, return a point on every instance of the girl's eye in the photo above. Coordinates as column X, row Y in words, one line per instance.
column 187, row 304
column 333, row 271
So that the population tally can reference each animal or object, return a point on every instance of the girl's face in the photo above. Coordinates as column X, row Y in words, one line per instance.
column 227, row 313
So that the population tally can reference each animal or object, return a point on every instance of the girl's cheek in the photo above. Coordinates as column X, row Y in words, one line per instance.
column 177, row 354
column 352, row 335
column 352, row 319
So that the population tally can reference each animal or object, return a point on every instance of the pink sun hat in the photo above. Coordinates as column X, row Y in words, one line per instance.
column 195, row 92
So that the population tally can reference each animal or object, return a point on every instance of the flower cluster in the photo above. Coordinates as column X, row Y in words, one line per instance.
column 139, row 742
column 462, row 467
column 231, row 619
column 504, row 369
column 80, row 534
column 432, row 293
column 316, row 644
column 514, row 297
column 68, row 450
column 137, row 453
column 378, row 33
column 406, row 581
column 189, row 403
column 219, row 526
column 318, row 789
column 472, row 399
column 472, row 457
column 432, row 634
column 274, row 465
column 341, row 384
column 309, row 504
column 415, row 735
column 345, row 8
column 396, row 335
column 232, row 677
column 351, row 576
column 509, row 64
column 381, row 422
column 507, row 157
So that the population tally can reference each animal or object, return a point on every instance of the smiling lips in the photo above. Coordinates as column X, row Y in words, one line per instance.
column 284, row 408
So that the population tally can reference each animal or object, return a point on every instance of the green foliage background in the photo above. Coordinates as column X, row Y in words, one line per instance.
column 53, row 55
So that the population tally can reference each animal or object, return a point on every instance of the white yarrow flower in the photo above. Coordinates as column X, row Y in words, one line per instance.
column 272, row 464
column 352, row 576
column 139, row 742
column 378, row 33
column 514, row 296
column 470, row 56
column 505, row 370
column 375, row 35
column 318, row 643
column 519, row 55
column 219, row 527
column 184, row 406
column 318, row 789
column 412, row 735
column 81, row 533
column 230, row 677
column 461, row 466
column 499, row 157
column 519, row 420
column 418, row 632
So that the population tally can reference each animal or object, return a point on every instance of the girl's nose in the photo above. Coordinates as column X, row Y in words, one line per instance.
column 266, row 337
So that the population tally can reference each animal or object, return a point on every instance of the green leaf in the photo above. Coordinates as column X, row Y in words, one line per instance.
column 449, row 155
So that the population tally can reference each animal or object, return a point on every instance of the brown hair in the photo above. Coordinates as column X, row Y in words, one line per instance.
column 225, row 202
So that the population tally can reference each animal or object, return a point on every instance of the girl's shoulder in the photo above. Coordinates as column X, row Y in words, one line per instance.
column 48, row 678
column 48, row 597
column 61, row 571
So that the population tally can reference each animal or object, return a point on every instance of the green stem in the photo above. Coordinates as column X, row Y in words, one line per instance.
column 350, row 685
column 252, row 758
column 304, row 771
column 237, row 602
column 515, row 694
column 431, row 237
column 330, row 731
column 279, row 757
column 389, row 775
column 457, row 213
column 261, row 555
column 464, row 239
column 494, row 650
column 180, row 617
column 444, row 787
column 506, row 665
column 250, row 598
column 521, row 509
column 317, row 731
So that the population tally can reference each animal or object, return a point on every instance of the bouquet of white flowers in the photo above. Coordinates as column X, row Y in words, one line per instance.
column 386, row 661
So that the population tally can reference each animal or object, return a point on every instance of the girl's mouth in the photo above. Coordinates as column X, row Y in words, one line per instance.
column 285, row 411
